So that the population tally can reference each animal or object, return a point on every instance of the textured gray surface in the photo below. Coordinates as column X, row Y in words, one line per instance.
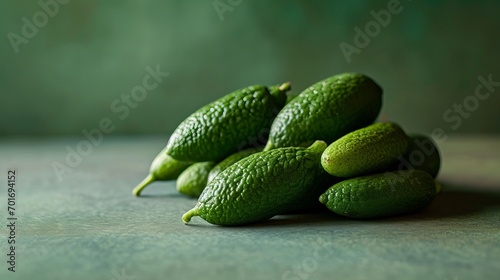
column 89, row 226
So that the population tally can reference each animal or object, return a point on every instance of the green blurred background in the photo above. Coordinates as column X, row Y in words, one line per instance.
column 82, row 59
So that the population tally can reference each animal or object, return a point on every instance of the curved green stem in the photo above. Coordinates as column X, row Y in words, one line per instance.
column 189, row 214
column 439, row 187
column 138, row 189
column 318, row 146
column 269, row 146
column 279, row 93
column 285, row 87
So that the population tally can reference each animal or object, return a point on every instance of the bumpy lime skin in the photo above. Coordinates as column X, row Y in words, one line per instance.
column 326, row 111
column 259, row 186
column 365, row 150
column 230, row 160
column 217, row 130
column 193, row 180
column 309, row 202
column 381, row 194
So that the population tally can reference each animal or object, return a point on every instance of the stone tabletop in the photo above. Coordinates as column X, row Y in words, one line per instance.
column 81, row 222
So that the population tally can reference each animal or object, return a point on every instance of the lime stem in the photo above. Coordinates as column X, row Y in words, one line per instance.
column 269, row 146
column 439, row 187
column 284, row 87
column 138, row 189
column 189, row 214
column 318, row 146
column 279, row 93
